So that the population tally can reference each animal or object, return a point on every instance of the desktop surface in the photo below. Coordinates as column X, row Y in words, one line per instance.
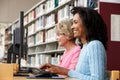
column 24, row 78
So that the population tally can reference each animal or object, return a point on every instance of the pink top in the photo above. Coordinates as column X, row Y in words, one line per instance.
column 69, row 59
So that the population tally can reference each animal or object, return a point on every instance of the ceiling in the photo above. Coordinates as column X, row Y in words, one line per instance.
column 10, row 9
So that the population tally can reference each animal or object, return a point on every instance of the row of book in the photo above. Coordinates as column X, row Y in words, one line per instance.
column 64, row 13
column 86, row 3
column 50, row 35
column 31, row 29
column 50, row 20
column 39, row 37
column 50, row 5
column 36, row 39
column 36, row 26
column 43, row 58
column 43, row 48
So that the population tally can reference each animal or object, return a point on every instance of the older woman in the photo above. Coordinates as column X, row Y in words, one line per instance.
column 65, row 38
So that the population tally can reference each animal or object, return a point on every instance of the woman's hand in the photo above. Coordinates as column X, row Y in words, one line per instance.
column 54, row 69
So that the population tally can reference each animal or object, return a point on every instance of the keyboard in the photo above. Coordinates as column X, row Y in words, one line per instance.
column 42, row 73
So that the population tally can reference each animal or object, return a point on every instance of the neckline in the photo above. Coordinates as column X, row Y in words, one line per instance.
column 85, row 44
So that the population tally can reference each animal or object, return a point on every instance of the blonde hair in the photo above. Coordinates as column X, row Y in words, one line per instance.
column 64, row 27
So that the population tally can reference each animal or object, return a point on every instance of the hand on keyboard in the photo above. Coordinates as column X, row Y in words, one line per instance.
column 42, row 73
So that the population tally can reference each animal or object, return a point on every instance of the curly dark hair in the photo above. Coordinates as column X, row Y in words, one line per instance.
column 94, row 24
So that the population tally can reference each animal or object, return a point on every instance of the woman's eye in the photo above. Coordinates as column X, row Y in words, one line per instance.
column 74, row 22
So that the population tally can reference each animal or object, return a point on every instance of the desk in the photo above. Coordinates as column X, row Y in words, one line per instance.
column 24, row 78
column 20, row 78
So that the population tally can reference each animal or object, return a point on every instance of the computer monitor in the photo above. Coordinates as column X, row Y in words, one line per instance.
column 18, row 49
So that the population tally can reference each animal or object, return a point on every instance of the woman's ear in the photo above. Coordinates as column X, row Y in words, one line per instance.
column 68, row 38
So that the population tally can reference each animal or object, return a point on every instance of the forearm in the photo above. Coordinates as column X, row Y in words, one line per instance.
column 55, row 69
column 60, row 70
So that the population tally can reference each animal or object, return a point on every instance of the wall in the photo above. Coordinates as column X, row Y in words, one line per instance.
column 110, row 1
column 9, row 9
column 113, row 52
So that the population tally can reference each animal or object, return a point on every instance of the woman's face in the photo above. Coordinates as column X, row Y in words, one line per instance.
column 62, row 39
column 77, row 27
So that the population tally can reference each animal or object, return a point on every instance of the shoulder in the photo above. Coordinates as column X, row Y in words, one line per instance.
column 95, row 43
column 77, row 48
column 95, row 46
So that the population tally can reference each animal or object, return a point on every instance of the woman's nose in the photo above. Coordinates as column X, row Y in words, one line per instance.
column 72, row 26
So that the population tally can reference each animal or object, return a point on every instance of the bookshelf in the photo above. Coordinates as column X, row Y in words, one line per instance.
column 39, row 23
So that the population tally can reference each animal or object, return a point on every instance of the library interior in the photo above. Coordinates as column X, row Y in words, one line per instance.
column 35, row 37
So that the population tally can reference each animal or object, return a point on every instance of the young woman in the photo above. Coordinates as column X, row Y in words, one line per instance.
column 91, row 30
